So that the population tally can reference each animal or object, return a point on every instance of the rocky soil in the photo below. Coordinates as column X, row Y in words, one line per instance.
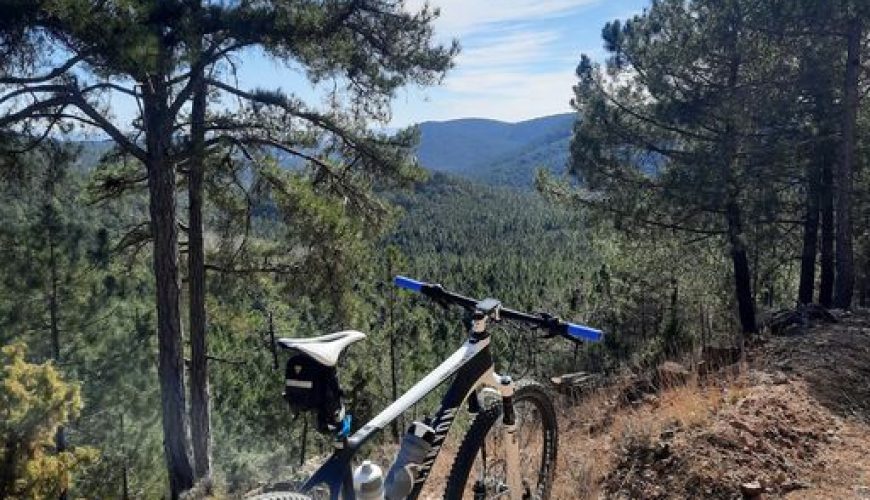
column 793, row 423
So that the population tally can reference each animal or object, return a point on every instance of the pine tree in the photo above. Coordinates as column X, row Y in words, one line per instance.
column 674, row 134
column 374, row 46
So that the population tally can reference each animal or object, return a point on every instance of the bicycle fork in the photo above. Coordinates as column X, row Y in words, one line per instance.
column 511, row 442
column 489, row 309
column 505, row 387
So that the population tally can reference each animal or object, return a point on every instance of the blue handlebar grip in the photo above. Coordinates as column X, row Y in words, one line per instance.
column 587, row 333
column 408, row 283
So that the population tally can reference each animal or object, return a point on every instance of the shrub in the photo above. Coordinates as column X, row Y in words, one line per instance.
column 34, row 402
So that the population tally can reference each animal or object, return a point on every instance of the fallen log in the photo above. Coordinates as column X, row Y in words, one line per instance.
column 787, row 322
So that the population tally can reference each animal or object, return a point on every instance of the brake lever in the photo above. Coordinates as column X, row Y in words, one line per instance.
column 438, row 299
column 552, row 321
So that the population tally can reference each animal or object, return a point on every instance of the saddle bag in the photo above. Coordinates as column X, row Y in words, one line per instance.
column 313, row 387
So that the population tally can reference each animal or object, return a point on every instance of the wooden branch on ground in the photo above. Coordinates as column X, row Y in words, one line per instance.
column 251, row 270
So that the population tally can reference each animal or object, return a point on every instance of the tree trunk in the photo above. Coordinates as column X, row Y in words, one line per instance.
column 742, row 276
column 54, row 321
column 304, row 446
column 845, row 277
column 864, row 286
column 125, row 482
column 819, row 193
column 736, row 237
column 394, row 374
column 826, row 249
column 811, row 231
column 164, row 230
column 200, row 425
column 52, row 297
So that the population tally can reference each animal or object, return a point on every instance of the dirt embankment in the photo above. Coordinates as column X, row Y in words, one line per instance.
column 794, row 423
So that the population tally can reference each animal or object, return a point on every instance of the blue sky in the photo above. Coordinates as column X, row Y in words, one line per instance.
column 518, row 57
column 517, row 62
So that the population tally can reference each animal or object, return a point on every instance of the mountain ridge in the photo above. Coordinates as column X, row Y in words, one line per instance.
column 493, row 151
column 483, row 150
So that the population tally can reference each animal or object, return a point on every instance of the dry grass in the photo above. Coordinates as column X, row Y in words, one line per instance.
column 599, row 428
column 686, row 406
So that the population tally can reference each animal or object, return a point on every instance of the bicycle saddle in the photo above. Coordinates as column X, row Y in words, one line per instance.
column 326, row 349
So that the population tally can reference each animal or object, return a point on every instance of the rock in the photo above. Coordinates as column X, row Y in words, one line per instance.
column 840, row 313
column 737, row 424
column 670, row 374
column 795, row 485
column 784, row 365
column 791, row 330
column 752, row 489
column 662, row 451
column 638, row 386
column 788, row 322
column 670, row 428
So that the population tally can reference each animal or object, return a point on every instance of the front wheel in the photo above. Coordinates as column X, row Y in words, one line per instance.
column 480, row 468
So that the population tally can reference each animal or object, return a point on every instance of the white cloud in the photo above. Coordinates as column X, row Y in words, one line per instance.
column 523, row 47
column 509, row 97
column 460, row 17
column 517, row 60
column 512, row 96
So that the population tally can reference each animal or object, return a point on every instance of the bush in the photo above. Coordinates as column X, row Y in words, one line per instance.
column 34, row 402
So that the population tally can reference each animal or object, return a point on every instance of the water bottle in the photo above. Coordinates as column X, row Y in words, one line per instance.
column 415, row 446
column 368, row 482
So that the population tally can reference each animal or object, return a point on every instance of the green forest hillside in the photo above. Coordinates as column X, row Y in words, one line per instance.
column 494, row 152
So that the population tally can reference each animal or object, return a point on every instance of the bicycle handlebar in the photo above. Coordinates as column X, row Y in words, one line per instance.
column 554, row 325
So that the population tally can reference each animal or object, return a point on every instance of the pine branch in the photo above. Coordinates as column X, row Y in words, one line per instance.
column 79, row 101
column 54, row 73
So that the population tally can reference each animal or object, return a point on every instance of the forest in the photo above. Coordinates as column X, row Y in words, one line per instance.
column 716, row 174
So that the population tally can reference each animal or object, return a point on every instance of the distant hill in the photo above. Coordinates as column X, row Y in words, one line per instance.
column 496, row 152
column 91, row 152
column 488, row 151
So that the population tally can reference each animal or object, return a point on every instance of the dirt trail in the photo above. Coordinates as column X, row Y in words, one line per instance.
column 794, row 424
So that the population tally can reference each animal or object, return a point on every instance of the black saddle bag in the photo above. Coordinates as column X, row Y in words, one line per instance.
column 313, row 387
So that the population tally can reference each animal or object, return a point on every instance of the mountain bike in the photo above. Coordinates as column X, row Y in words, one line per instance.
column 509, row 451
